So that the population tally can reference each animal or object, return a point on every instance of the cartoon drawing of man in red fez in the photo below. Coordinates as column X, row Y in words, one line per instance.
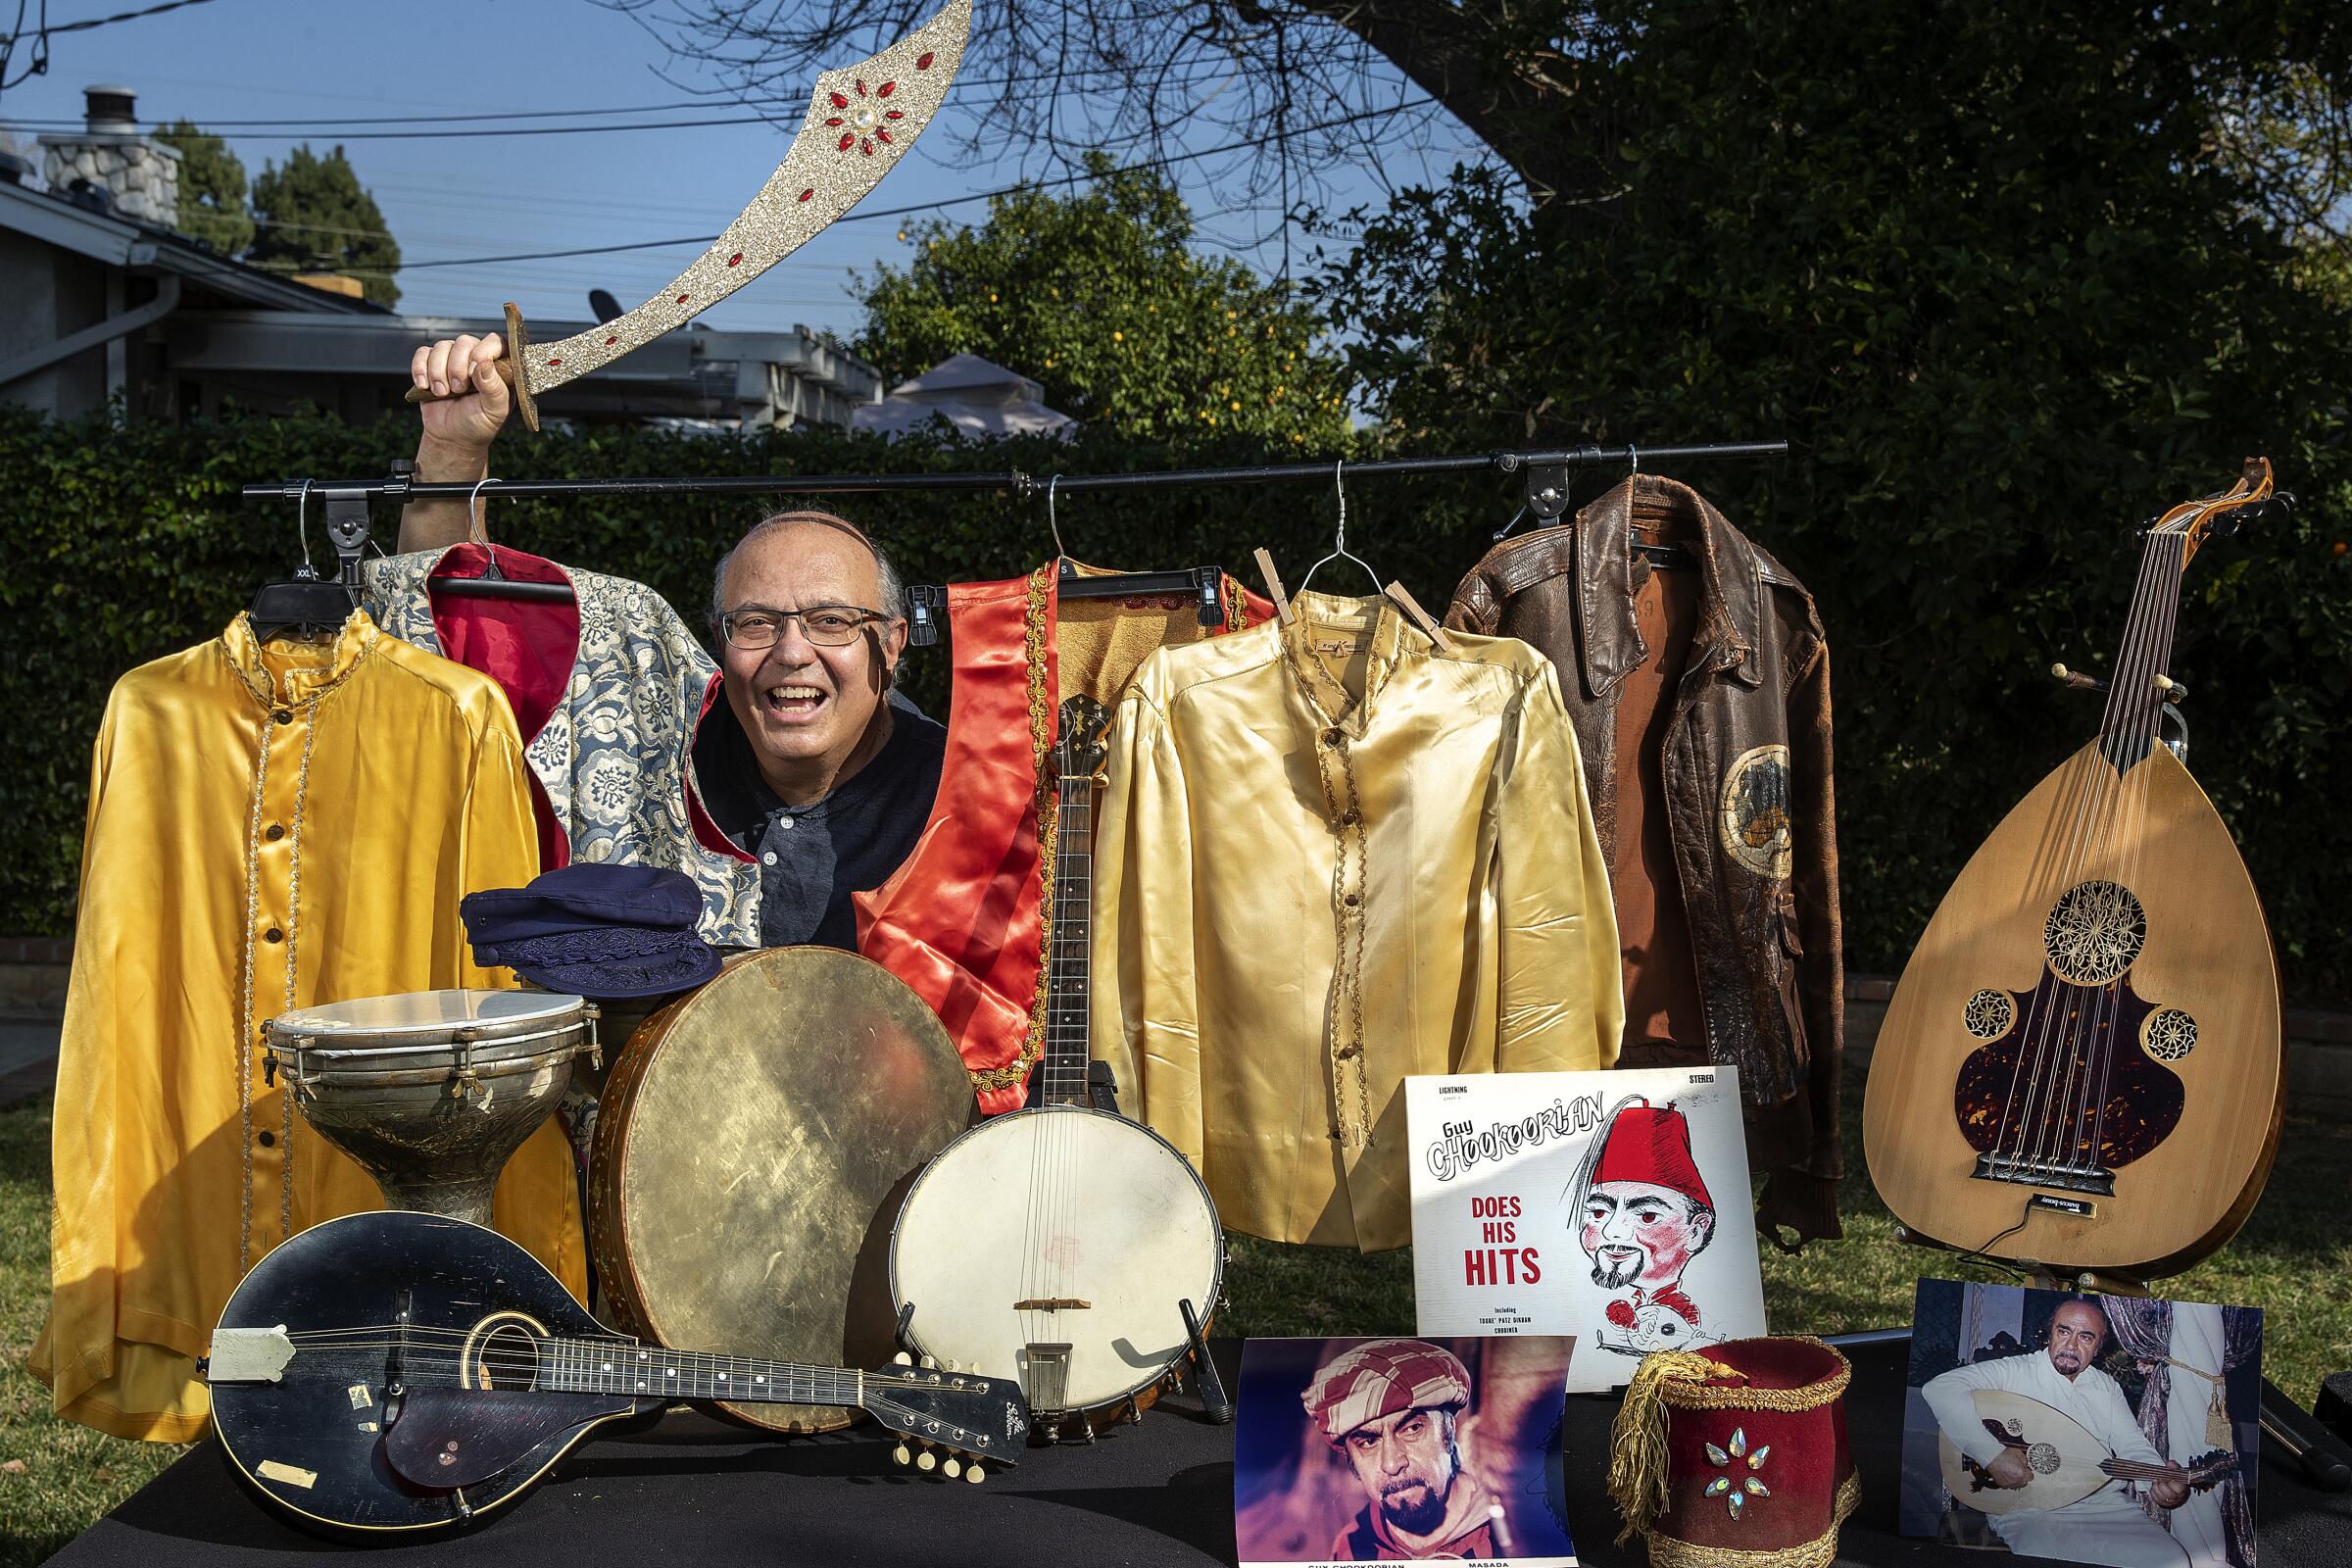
column 1643, row 1214
column 1393, row 1407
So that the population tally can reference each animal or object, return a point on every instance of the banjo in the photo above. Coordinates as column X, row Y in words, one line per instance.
column 1062, row 1244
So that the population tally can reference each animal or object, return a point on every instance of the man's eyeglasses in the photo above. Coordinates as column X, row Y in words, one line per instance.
column 825, row 626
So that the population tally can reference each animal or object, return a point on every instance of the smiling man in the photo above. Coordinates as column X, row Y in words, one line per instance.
column 1642, row 1212
column 1394, row 1407
column 811, row 767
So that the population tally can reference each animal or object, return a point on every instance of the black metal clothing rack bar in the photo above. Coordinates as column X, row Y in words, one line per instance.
column 399, row 487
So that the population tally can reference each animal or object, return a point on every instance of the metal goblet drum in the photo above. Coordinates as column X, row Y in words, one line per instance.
column 754, row 1141
column 433, row 1091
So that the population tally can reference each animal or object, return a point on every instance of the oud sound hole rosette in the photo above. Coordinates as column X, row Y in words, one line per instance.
column 1988, row 1015
column 2169, row 1034
column 2094, row 932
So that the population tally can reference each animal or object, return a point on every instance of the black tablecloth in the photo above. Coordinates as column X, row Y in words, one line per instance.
column 688, row 1489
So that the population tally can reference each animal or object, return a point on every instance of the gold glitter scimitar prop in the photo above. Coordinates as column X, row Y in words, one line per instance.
column 860, row 120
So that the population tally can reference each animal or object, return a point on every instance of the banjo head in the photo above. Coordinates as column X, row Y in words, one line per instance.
column 754, row 1139
column 1066, row 1205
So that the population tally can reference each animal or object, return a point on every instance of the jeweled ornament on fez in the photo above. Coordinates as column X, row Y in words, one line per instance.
column 1735, row 1455
column 860, row 120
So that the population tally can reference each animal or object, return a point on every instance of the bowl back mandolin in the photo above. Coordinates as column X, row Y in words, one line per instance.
column 2082, row 1066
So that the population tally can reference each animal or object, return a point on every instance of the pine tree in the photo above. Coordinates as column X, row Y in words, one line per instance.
column 315, row 216
column 211, row 189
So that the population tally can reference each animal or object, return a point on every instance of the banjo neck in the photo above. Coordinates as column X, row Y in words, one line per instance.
column 1068, row 990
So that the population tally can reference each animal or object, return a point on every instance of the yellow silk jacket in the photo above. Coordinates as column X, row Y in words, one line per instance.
column 270, row 827
column 1331, row 855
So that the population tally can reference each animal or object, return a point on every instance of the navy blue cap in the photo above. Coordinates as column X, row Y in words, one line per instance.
column 594, row 930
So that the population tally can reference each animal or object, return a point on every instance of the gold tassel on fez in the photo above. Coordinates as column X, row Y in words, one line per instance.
column 1637, row 1441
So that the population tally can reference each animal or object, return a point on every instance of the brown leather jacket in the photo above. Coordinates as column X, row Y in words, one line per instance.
column 1748, row 803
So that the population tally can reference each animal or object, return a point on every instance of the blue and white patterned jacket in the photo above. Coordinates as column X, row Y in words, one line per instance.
column 615, row 754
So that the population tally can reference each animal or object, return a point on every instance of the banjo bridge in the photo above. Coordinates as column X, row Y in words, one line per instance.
column 1051, row 1304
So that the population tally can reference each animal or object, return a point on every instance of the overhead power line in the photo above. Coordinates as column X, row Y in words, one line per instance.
column 929, row 206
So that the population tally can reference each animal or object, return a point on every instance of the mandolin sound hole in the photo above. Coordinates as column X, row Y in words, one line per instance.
column 1988, row 1015
column 502, row 1354
column 2094, row 932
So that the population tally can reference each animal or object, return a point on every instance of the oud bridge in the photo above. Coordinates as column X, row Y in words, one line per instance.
column 2026, row 1172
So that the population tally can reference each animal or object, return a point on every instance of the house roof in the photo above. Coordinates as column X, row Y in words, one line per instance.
column 124, row 242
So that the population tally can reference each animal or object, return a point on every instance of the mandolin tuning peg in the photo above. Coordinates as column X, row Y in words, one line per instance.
column 951, row 1468
column 926, row 1460
column 927, row 1364
column 901, row 1359
column 974, row 1474
column 900, row 1457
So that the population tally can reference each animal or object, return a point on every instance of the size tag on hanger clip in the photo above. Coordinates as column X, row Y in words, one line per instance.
column 1273, row 580
column 1403, row 598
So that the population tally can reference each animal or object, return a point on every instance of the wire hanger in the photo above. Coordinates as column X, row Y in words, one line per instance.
column 1658, row 551
column 494, row 583
column 1340, row 550
column 1205, row 584
column 305, row 601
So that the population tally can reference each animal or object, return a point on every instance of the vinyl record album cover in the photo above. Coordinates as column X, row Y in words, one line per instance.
column 1402, row 1450
column 1612, row 1206
column 2095, row 1429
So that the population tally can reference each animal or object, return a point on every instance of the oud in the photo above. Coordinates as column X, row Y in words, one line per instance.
column 2081, row 1066
column 399, row 1371
column 2066, row 1462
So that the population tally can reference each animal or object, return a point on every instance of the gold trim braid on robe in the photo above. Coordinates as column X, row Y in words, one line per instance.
column 252, row 808
column 1330, row 856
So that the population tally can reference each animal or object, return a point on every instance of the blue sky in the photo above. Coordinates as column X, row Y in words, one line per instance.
column 343, row 60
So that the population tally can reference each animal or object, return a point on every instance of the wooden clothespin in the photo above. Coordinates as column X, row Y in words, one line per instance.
column 1403, row 598
column 1282, row 600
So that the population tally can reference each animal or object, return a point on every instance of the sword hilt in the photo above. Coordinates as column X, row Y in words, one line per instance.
column 508, row 367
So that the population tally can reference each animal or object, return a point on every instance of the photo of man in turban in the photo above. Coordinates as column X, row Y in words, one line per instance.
column 1390, row 1449
column 1394, row 1408
column 1642, row 1214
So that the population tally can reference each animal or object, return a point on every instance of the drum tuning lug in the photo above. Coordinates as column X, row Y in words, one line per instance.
column 900, row 1455
column 268, row 1070
column 926, row 1460
column 951, row 1468
column 974, row 1474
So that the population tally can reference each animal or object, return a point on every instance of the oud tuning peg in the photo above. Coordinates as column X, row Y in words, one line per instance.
column 951, row 1468
column 2076, row 679
column 900, row 1456
column 974, row 1474
column 2173, row 690
column 901, row 1359
column 926, row 1460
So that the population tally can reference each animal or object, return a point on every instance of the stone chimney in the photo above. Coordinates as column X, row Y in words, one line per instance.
column 141, row 175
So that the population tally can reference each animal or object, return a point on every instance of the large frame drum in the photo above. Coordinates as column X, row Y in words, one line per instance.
column 753, row 1145
column 433, row 1091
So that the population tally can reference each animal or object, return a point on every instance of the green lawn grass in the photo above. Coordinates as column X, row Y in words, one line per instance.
column 2295, row 1257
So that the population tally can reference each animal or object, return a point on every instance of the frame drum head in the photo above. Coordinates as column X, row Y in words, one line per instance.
column 756, row 1140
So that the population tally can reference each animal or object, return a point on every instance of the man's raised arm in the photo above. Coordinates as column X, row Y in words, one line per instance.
column 454, row 446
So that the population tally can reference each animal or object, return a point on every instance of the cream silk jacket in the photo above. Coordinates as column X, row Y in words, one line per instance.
column 1331, row 855
column 270, row 826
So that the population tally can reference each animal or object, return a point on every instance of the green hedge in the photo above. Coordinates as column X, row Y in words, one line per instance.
column 127, row 541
